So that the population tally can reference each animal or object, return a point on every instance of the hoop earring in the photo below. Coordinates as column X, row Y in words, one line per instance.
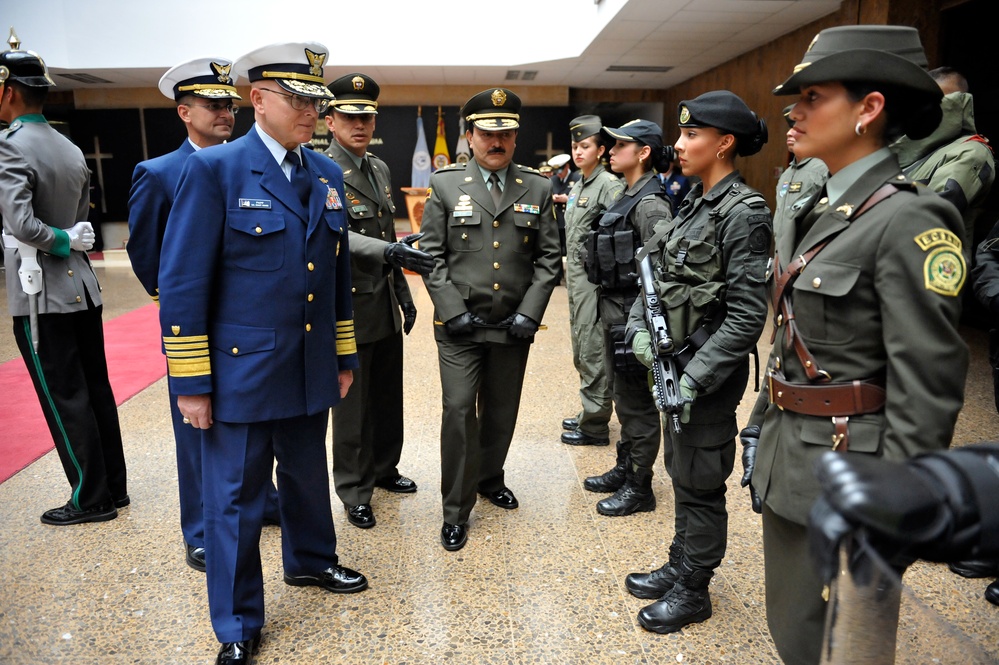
column 720, row 155
column 860, row 129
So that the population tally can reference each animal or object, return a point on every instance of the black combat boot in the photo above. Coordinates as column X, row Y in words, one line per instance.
column 686, row 603
column 634, row 496
column 613, row 479
column 659, row 581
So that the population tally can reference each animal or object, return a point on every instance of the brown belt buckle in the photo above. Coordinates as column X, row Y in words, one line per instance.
column 770, row 388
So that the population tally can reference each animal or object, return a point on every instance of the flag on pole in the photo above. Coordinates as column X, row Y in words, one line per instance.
column 461, row 153
column 421, row 156
column 441, row 156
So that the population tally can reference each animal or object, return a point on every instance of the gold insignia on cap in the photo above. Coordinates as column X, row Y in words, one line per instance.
column 498, row 97
column 684, row 114
column 316, row 61
column 357, row 82
column 14, row 40
column 222, row 71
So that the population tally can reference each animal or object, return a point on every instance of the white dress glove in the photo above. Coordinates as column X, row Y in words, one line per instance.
column 81, row 236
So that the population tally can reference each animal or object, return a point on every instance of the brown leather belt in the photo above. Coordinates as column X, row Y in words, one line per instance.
column 827, row 400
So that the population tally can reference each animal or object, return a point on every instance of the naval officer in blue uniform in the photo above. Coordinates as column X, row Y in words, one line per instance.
column 256, row 316
column 205, row 92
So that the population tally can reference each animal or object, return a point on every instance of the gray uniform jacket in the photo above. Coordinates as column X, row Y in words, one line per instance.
column 493, row 263
column 377, row 288
column 45, row 189
column 587, row 200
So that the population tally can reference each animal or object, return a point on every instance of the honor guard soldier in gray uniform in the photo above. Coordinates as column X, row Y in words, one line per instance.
column 53, row 294
column 595, row 191
column 490, row 228
column 866, row 284
column 367, row 423
column 205, row 92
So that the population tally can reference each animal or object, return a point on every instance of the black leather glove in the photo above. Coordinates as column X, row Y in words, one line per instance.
column 403, row 255
column 463, row 324
column 408, row 316
column 750, row 438
column 522, row 327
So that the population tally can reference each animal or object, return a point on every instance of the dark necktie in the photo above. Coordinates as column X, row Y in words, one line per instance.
column 299, row 179
column 366, row 170
column 494, row 189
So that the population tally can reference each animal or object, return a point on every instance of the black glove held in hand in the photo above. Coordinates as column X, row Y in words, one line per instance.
column 463, row 324
column 408, row 316
column 403, row 255
column 522, row 327
column 750, row 438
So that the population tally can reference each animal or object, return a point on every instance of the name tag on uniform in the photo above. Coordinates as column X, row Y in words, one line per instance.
column 462, row 213
column 261, row 204
column 526, row 207
column 359, row 209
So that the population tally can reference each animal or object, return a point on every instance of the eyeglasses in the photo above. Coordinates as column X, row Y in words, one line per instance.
column 215, row 107
column 300, row 103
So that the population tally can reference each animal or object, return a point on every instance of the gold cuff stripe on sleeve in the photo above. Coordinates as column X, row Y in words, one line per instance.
column 189, row 367
column 346, row 347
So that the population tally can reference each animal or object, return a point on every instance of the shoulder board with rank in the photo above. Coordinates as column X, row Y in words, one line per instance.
column 528, row 169
column 457, row 166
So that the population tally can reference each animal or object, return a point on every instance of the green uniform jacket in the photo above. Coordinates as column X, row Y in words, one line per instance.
column 951, row 163
column 880, row 300
column 377, row 288
column 588, row 198
column 493, row 263
column 797, row 184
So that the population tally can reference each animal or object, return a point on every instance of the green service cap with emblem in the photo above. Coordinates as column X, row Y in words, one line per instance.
column 24, row 67
column 584, row 126
column 297, row 67
column 493, row 110
column 355, row 94
column 211, row 78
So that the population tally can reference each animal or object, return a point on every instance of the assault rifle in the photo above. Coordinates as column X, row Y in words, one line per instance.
column 665, row 383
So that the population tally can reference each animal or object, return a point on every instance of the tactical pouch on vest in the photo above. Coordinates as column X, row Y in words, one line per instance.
column 625, row 361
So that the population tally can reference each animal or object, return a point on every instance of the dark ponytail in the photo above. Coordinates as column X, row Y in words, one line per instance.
column 662, row 158
column 750, row 144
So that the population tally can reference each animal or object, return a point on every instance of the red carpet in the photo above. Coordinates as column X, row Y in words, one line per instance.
column 132, row 344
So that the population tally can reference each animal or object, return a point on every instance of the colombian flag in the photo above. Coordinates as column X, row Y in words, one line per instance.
column 441, row 156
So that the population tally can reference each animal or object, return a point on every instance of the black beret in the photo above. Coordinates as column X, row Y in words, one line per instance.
column 720, row 109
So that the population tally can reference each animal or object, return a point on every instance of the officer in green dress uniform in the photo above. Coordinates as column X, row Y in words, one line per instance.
column 871, row 362
column 368, row 423
column 594, row 192
column 490, row 227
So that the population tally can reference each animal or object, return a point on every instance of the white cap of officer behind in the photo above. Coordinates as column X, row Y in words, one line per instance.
column 211, row 78
column 558, row 161
column 297, row 67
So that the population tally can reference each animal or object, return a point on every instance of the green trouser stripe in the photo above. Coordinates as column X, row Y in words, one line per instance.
column 55, row 414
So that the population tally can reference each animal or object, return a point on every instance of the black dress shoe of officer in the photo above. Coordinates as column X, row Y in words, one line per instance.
column 579, row 438
column 66, row 515
column 360, row 516
column 238, row 653
column 121, row 502
column 975, row 568
column 195, row 557
column 453, row 536
column 399, row 485
column 569, row 424
column 335, row 579
column 992, row 593
column 503, row 498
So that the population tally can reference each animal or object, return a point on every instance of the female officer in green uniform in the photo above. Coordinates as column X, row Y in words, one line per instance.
column 871, row 361
column 593, row 193
column 710, row 268
column 610, row 263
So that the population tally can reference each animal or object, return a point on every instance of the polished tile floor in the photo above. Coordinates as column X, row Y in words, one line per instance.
column 541, row 584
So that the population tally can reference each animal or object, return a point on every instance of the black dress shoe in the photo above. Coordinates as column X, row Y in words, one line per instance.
column 238, row 653
column 399, row 485
column 453, row 536
column 992, row 593
column 122, row 502
column 335, row 579
column 65, row 515
column 578, row 438
column 570, row 424
column 503, row 498
column 360, row 516
column 195, row 557
column 974, row 568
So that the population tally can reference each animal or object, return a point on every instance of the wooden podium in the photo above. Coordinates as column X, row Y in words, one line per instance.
column 415, row 196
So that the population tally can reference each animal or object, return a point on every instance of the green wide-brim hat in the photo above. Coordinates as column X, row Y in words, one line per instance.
column 889, row 54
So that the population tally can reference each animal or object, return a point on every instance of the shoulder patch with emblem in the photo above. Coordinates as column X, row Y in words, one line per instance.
column 944, row 269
